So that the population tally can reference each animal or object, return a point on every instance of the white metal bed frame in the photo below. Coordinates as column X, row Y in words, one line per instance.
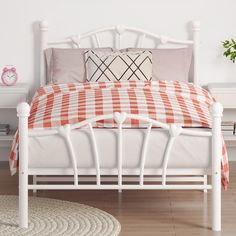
column 120, row 175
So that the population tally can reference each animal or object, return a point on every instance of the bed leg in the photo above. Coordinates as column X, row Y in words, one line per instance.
column 23, row 110
column 119, row 190
column 34, row 183
column 205, row 183
column 23, row 200
column 216, row 111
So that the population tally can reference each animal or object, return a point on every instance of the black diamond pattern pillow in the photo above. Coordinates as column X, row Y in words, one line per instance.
column 118, row 66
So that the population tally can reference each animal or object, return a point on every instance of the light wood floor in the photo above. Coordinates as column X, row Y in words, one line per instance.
column 159, row 213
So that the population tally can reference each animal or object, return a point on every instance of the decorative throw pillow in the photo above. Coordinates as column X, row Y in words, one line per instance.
column 118, row 66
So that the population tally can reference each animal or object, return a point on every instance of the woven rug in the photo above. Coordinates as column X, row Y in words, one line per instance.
column 55, row 217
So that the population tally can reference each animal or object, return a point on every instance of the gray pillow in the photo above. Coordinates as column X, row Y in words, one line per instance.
column 66, row 65
column 170, row 64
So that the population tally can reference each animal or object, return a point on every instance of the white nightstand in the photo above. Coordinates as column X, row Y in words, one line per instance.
column 10, row 96
column 225, row 93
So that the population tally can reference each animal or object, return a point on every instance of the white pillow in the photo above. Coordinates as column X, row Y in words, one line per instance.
column 118, row 66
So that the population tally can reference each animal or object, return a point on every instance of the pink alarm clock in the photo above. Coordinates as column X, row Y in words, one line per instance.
column 9, row 76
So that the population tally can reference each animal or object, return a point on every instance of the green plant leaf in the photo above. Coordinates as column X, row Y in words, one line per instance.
column 230, row 46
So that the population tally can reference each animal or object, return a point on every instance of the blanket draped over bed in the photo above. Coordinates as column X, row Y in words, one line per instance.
column 165, row 101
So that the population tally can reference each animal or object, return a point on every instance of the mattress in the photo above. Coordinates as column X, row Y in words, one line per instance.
column 187, row 152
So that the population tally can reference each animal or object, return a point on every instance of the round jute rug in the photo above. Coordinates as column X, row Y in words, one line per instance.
column 55, row 217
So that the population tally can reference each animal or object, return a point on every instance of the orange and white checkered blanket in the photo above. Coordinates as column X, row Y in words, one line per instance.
column 168, row 102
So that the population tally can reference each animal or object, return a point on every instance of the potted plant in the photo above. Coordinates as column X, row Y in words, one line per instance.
column 230, row 49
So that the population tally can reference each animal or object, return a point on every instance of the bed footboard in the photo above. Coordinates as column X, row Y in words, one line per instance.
column 173, row 130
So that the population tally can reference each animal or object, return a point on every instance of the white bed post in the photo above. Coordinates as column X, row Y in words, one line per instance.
column 217, row 113
column 196, row 44
column 43, row 45
column 23, row 111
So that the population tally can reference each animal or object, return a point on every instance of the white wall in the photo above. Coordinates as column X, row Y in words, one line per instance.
column 67, row 17
column 17, row 25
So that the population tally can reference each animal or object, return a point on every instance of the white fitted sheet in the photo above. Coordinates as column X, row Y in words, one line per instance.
column 187, row 152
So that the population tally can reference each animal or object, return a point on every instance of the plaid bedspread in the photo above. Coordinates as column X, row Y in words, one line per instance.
column 168, row 102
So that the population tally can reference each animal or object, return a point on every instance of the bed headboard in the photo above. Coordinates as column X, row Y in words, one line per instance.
column 94, row 38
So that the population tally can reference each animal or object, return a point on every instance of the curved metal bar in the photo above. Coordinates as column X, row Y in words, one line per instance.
column 129, row 29
column 141, row 40
column 97, row 40
column 131, row 116
column 119, row 119
column 96, row 156
column 74, row 41
column 64, row 131
column 118, row 41
column 43, row 132
column 144, row 153
column 174, row 131
column 166, row 158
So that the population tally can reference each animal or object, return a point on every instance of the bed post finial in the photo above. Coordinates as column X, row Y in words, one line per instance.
column 43, row 25
column 196, row 25
column 196, row 44
column 217, row 110
column 217, row 113
column 23, row 110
